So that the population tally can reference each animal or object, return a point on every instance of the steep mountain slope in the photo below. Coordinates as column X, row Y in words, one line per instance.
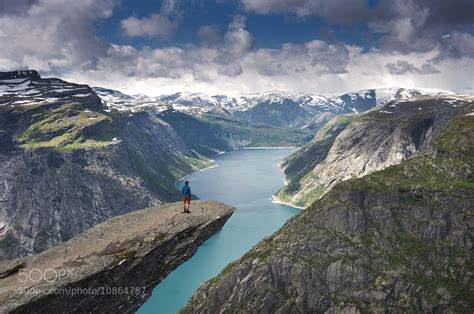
column 355, row 145
column 397, row 240
column 211, row 134
column 67, row 163
column 277, row 112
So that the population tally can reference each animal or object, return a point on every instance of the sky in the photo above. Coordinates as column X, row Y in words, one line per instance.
column 242, row 46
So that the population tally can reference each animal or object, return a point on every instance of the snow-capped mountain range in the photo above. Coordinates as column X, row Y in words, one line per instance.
column 274, row 108
column 280, row 109
column 200, row 103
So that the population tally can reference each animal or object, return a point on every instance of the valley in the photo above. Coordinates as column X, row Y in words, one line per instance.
column 397, row 239
column 249, row 190
column 237, row 157
column 74, row 157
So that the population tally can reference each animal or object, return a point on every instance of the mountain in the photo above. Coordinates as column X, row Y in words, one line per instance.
column 211, row 134
column 195, row 104
column 394, row 240
column 279, row 109
column 385, row 95
column 208, row 124
column 355, row 145
column 68, row 163
column 198, row 103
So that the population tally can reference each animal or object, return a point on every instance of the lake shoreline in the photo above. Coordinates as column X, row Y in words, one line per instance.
column 276, row 200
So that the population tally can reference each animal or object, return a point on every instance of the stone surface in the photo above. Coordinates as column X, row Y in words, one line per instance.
column 8, row 268
column 134, row 251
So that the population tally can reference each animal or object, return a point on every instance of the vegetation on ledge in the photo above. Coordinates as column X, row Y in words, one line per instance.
column 66, row 128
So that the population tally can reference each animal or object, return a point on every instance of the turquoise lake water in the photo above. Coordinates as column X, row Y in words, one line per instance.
column 246, row 179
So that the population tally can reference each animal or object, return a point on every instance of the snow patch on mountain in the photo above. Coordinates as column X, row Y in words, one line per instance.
column 26, row 88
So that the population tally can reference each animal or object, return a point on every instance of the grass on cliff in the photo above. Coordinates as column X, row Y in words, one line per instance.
column 195, row 163
column 340, row 121
column 310, row 195
column 298, row 166
column 451, row 167
column 67, row 128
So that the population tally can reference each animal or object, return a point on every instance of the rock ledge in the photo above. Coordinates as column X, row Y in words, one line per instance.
column 112, row 266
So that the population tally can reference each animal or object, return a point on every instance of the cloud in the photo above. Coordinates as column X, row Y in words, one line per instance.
column 210, row 35
column 159, row 24
column 334, row 11
column 169, row 62
column 402, row 67
column 398, row 25
column 172, row 69
column 237, row 40
column 456, row 45
column 156, row 25
column 170, row 8
column 316, row 56
column 442, row 15
column 51, row 35
column 237, row 43
column 15, row 7
column 419, row 25
column 57, row 37
column 232, row 69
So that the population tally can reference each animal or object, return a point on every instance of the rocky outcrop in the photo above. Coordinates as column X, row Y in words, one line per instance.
column 354, row 145
column 112, row 267
column 397, row 240
column 67, row 163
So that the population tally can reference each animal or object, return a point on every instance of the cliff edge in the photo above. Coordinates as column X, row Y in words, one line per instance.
column 112, row 266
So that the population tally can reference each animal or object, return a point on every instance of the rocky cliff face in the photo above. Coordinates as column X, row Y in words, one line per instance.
column 112, row 267
column 355, row 145
column 67, row 163
column 397, row 240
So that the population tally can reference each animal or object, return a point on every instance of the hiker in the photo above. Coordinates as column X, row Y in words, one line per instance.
column 186, row 190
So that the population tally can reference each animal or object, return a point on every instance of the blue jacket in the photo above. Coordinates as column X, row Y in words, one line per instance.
column 186, row 190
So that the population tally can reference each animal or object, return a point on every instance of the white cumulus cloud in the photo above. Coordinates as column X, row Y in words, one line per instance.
column 156, row 25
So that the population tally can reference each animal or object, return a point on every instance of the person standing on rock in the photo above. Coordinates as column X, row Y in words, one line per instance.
column 186, row 190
